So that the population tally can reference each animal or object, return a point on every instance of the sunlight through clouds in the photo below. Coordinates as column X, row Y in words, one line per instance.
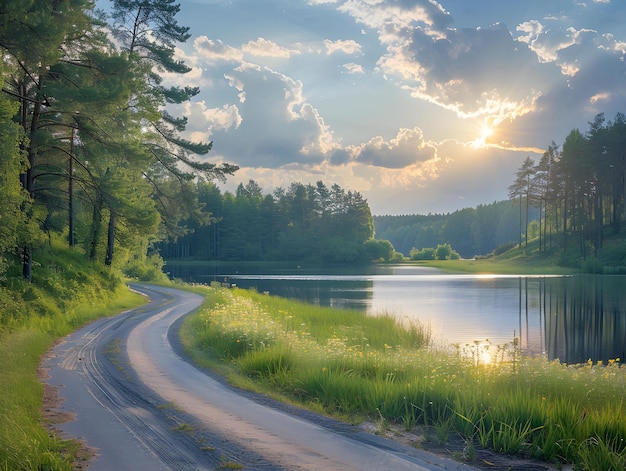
column 427, row 104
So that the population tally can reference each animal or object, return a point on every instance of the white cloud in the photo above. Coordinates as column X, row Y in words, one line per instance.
column 265, row 48
column 472, row 72
column 277, row 125
column 215, row 50
column 391, row 17
column 194, row 76
column 346, row 46
column 608, row 43
column 548, row 44
column 353, row 68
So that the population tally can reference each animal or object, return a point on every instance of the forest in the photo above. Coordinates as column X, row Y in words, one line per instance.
column 303, row 222
column 579, row 190
column 88, row 150
column 470, row 231
column 90, row 153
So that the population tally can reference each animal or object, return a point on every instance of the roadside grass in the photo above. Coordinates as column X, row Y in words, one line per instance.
column 68, row 293
column 372, row 368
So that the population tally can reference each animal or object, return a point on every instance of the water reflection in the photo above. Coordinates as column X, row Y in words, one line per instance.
column 584, row 317
column 571, row 318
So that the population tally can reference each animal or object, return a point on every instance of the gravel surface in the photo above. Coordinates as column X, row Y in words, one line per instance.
column 123, row 386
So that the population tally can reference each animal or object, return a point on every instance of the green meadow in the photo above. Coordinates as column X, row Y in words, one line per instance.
column 359, row 368
column 69, row 292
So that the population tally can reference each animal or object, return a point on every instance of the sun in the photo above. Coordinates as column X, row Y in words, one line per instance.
column 485, row 133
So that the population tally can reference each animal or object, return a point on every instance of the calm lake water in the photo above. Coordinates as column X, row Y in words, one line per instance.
column 572, row 318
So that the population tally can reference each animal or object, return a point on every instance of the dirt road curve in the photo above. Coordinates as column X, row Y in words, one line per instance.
column 142, row 406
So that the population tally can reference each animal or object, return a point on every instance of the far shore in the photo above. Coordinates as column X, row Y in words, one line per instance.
column 518, row 266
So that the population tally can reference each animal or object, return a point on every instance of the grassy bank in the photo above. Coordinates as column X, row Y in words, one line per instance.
column 67, row 293
column 358, row 367
column 512, row 266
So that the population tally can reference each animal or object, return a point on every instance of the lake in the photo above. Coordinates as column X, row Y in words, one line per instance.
column 570, row 318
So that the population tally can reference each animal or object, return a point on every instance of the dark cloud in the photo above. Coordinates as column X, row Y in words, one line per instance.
column 470, row 67
column 406, row 149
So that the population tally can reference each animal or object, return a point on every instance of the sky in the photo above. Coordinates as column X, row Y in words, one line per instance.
column 422, row 106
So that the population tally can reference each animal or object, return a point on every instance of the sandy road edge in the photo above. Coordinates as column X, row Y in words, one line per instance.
column 52, row 415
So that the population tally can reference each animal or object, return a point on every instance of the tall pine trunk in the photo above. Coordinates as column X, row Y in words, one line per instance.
column 96, row 227
column 108, row 260
column 28, row 178
column 70, row 191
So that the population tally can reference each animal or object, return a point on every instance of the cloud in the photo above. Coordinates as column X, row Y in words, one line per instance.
column 608, row 43
column 346, row 46
column 265, row 48
column 216, row 51
column 552, row 45
column 472, row 72
column 407, row 148
column 353, row 68
column 427, row 84
column 277, row 125
column 391, row 17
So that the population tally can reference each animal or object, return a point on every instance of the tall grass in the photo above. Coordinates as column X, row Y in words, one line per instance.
column 67, row 292
column 356, row 366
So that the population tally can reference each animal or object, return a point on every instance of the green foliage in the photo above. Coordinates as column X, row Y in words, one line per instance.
column 66, row 292
column 355, row 366
column 441, row 252
column 379, row 250
column 304, row 222
column 422, row 254
column 13, row 223
column 145, row 268
column 445, row 252
column 578, row 191
column 500, row 249
column 471, row 231
column 86, row 150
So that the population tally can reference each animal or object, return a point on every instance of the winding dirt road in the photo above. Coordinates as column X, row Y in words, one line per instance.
column 141, row 405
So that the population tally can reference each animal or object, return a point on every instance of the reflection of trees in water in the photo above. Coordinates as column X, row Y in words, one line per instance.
column 580, row 317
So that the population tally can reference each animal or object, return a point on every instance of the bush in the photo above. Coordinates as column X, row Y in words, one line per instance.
column 446, row 252
column 397, row 257
column 148, row 268
column 593, row 265
column 442, row 252
column 424, row 254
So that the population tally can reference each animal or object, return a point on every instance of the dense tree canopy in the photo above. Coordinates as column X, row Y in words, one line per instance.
column 580, row 190
column 302, row 222
column 88, row 147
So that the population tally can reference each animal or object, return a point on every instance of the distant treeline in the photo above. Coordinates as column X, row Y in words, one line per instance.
column 303, row 222
column 470, row 231
column 328, row 224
